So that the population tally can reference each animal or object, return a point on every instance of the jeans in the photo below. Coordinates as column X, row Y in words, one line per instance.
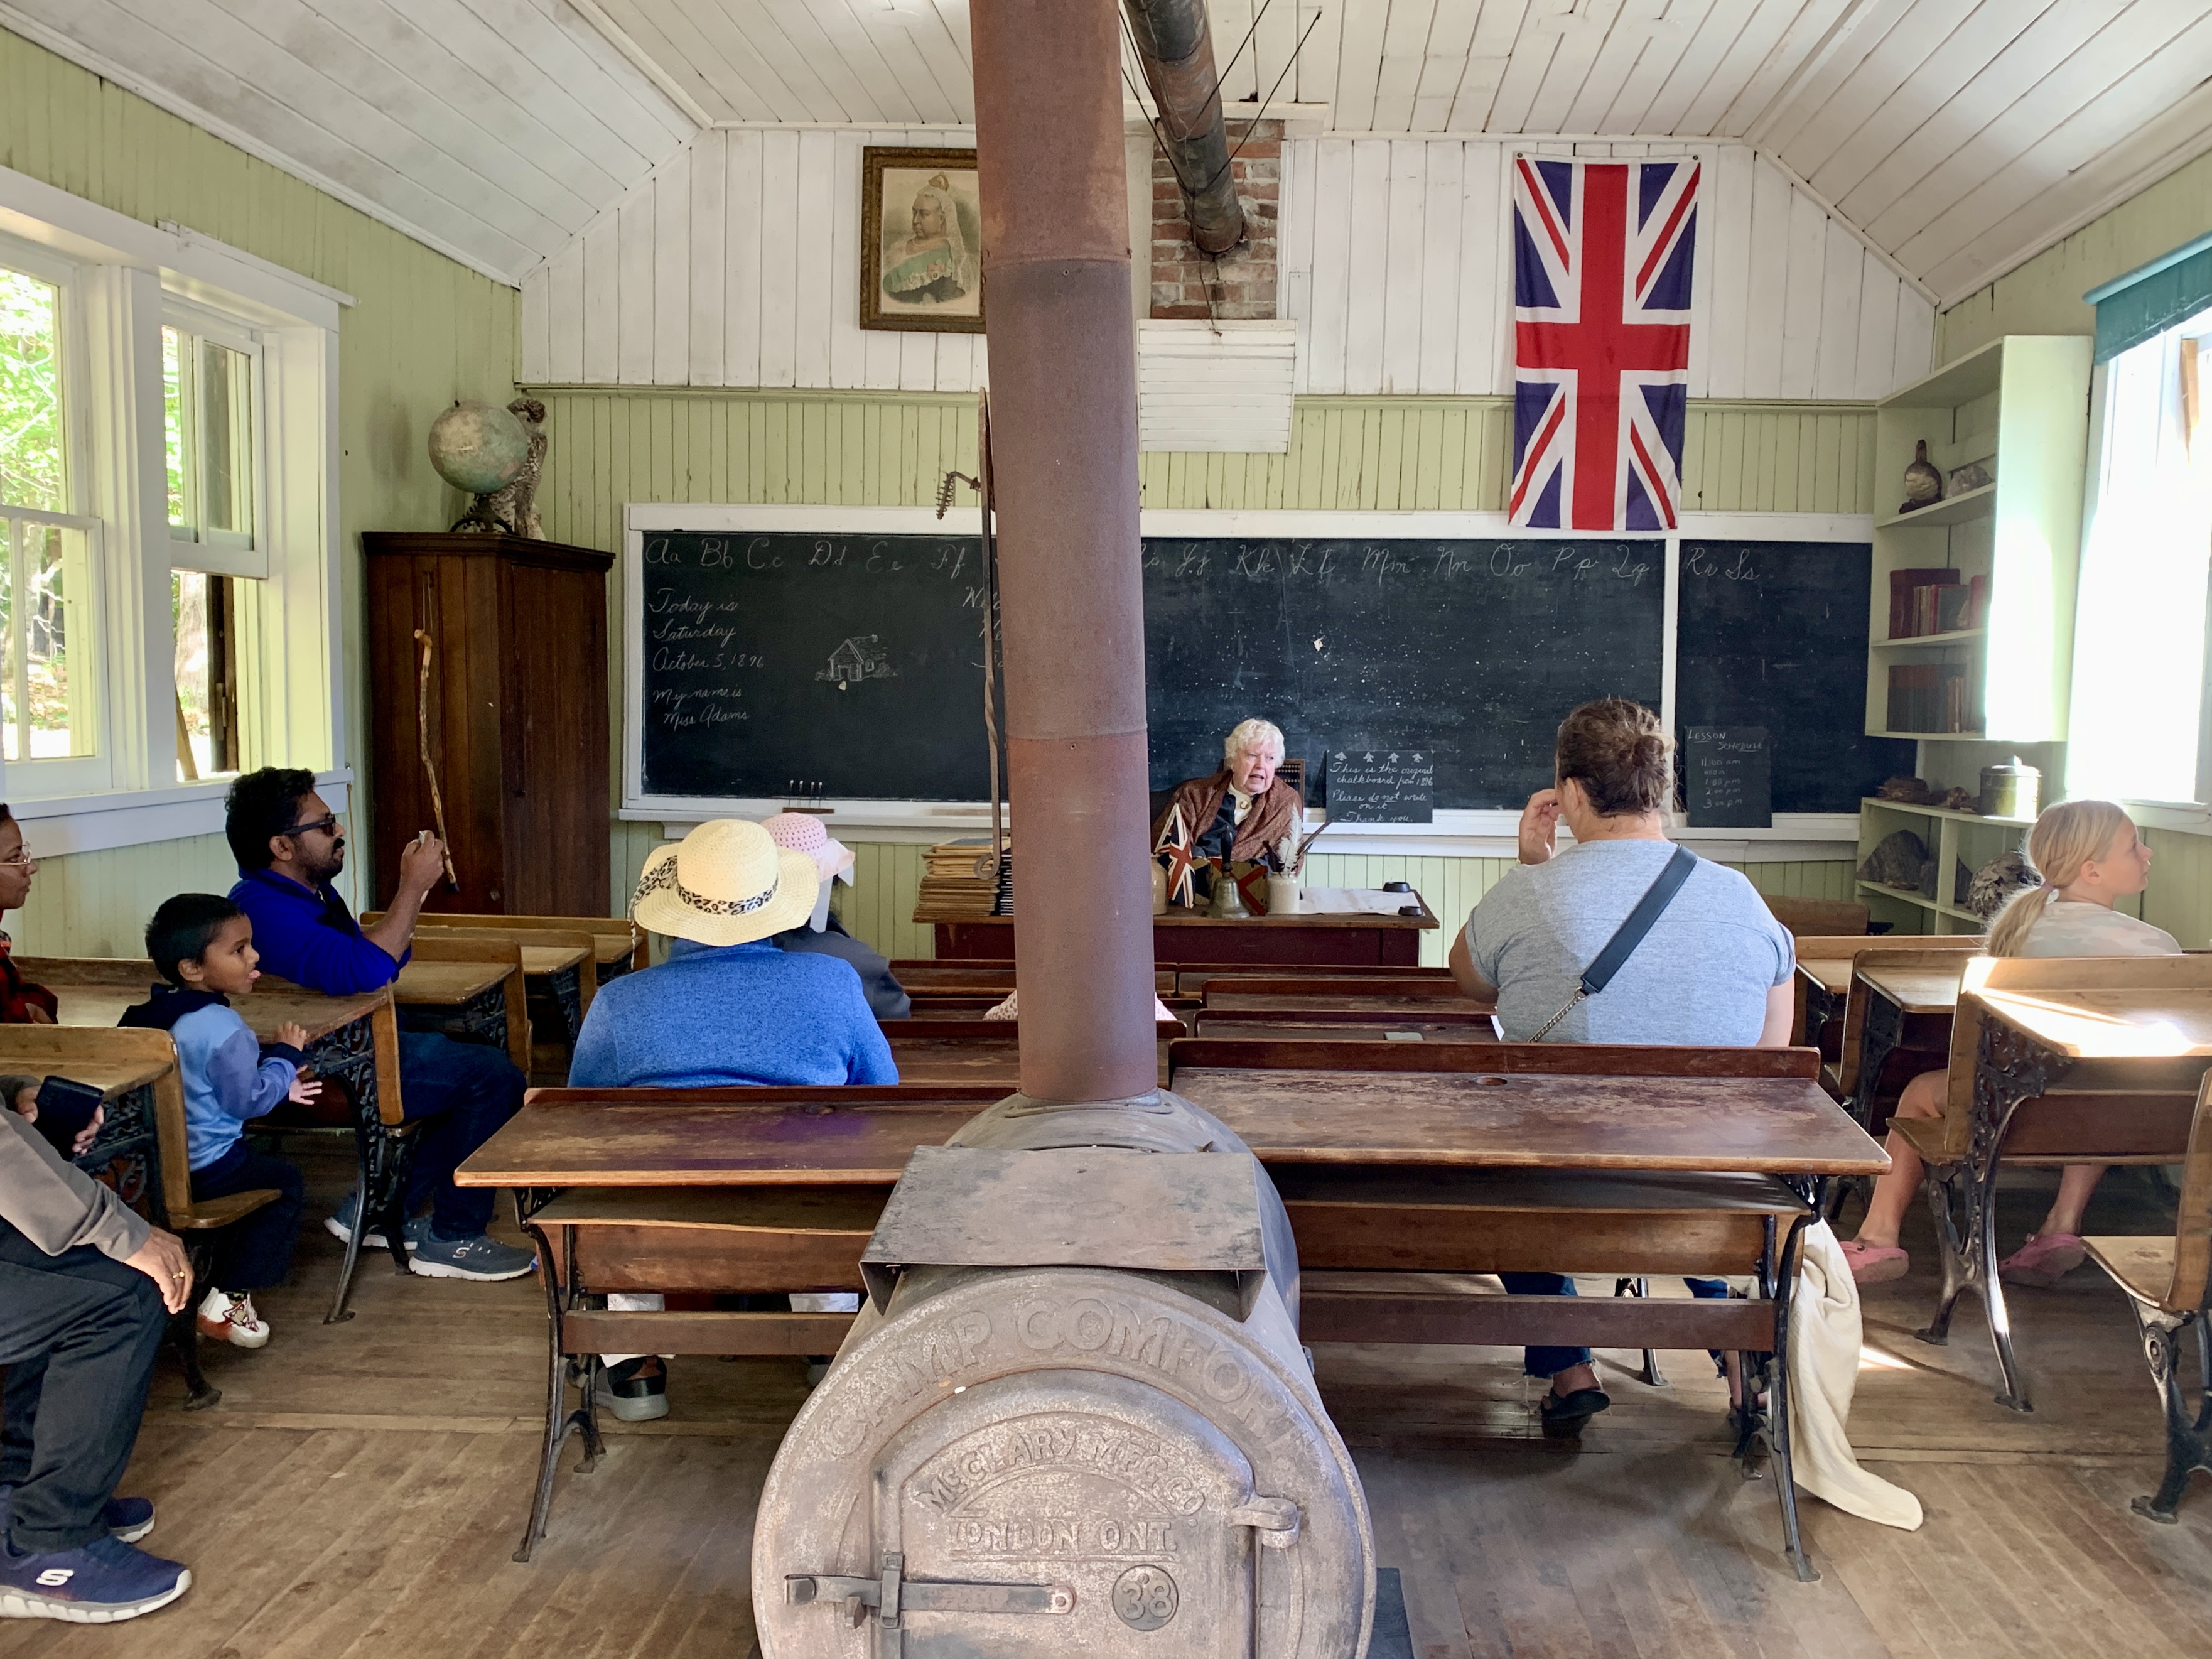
column 78, row 1334
column 255, row 1253
column 1550, row 1362
column 460, row 1093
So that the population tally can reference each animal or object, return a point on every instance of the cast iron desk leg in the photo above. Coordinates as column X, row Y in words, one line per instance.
column 2009, row 1070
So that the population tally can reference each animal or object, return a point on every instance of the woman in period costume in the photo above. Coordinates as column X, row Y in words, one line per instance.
column 1240, row 815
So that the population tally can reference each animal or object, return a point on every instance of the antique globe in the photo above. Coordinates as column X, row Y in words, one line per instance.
column 478, row 447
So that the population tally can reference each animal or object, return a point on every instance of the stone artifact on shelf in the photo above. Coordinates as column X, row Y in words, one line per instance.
column 1923, row 484
column 1958, row 800
column 1973, row 476
column 1898, row 861
column 1907, row 791
column 1995, row 881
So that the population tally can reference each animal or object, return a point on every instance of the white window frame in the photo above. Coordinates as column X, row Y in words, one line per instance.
column 74, row 774
column 223, row 552
column 123, row 280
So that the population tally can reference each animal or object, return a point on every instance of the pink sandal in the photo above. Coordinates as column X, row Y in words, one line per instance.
column 2044, row 1259
column 1875, row 1264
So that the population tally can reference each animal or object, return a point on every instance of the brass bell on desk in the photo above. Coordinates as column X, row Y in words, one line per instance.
column 1228, row 897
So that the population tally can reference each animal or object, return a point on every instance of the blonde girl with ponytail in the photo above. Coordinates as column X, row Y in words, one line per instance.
column 2088, row 853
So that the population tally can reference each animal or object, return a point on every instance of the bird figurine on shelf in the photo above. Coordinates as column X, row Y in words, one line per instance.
column 1923, row 484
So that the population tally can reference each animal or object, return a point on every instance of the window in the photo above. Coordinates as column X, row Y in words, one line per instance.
column 48, row 633
column 2139, row 730
column 208, row 395
column 166, row 612
column 205, row 610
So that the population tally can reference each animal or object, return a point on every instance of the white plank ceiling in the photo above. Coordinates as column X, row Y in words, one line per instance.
column 492, row 130
column 1959, row 136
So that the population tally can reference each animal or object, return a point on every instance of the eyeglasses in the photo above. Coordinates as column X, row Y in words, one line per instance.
column 21, row 855
column 328, row 824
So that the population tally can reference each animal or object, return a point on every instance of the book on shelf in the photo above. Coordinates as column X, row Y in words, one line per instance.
column 1933, row 697
column 1904, row 586
column 1953, row 604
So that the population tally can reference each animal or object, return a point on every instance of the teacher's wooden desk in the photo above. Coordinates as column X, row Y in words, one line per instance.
column 1184, row 936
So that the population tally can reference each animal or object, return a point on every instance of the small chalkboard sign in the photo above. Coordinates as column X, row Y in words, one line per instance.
column 1730, row 781
column 1382, row 785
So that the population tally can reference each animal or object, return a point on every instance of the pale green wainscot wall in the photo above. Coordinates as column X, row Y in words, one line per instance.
column 423, row 331
column 609, row 448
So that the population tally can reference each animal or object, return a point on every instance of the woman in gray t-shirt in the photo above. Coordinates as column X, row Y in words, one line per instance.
column 1714, row 970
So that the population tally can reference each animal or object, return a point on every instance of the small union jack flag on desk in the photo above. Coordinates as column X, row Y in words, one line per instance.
column 1602, row 260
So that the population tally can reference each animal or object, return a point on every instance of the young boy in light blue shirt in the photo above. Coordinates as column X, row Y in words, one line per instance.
column 202, row 946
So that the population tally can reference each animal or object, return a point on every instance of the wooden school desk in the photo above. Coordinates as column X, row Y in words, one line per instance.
column 1909, row 1005
column 1184, row 936
column 776, row 1189
column 2055, row 1061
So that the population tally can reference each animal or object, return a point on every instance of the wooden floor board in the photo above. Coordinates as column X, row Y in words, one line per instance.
column 359, row 1490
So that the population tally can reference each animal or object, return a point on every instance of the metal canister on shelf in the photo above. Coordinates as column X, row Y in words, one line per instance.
column 2010, row 790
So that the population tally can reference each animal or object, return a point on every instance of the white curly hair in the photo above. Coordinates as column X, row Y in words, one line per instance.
column 1252, row 735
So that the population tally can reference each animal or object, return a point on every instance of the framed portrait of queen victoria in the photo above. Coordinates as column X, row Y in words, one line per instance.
column 921, row 241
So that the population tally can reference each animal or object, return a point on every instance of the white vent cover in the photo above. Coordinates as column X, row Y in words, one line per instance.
column 1204, row 385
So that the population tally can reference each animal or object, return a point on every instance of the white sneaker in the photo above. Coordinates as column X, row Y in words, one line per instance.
column 227, row 1318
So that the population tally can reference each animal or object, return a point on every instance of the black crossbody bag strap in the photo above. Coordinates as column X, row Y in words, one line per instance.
column 1626, row 937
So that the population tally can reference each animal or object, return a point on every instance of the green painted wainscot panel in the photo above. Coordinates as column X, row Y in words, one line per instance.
column 1371, row 454
column 424, row 330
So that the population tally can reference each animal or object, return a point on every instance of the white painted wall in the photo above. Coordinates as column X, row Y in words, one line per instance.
column 1396, row 261
column 737, row 264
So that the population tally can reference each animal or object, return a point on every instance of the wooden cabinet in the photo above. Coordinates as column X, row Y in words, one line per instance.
column 518, row 715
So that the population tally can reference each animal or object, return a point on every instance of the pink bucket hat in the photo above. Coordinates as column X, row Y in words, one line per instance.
column 802, row 832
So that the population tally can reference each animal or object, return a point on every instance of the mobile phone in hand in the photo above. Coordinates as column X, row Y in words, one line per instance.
column 65, row 1107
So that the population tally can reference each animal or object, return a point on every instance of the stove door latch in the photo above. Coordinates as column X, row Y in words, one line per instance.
column 1275, row 1519
column 895, row 1595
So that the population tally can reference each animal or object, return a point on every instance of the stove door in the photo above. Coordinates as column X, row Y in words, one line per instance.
column 1075, row 1480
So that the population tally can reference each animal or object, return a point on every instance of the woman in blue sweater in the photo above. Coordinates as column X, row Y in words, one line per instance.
column 728, row 1006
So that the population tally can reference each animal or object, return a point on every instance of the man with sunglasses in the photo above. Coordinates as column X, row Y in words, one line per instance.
column 290, row 846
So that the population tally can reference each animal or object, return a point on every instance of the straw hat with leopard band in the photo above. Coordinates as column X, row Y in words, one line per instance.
column 727, row 883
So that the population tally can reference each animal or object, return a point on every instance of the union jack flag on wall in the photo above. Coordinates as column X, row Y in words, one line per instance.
column 1602, row 257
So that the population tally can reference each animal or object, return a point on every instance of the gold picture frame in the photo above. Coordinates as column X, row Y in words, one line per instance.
column 921, row 241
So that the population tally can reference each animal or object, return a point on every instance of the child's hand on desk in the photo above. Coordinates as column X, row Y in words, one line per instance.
column 293, row 1034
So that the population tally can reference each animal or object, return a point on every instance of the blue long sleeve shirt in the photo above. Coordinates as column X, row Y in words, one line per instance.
column 732, row 1014
column 226, row 1082
column 309, row 936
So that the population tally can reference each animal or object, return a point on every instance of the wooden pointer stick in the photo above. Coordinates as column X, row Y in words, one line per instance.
column 422, row 747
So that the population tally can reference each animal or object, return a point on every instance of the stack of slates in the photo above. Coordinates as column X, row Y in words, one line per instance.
column 958, row 879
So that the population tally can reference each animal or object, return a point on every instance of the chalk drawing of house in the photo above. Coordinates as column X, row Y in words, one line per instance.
column 860, row 658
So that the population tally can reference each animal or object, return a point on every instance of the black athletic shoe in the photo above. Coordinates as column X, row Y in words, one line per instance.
column 630, row 1394
column 1564, row 1415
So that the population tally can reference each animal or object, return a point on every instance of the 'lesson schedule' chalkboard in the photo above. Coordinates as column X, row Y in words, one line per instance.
column 1773, row 633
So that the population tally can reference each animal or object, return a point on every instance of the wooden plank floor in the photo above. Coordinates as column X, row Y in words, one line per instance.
column 357, row 1494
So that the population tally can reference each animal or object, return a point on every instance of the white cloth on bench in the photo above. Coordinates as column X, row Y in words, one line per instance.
column 1825, row 1335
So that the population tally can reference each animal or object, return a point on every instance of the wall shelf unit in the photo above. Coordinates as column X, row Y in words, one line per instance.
column 1956, row 839
column 2017, row 407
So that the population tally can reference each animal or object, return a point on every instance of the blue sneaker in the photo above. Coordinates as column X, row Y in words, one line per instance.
column 104, row 1583
column 340, row 1227
column 127, row 1519
column 480, row 1257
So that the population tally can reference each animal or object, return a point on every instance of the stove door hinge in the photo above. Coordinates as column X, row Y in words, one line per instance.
column 1275, row 1519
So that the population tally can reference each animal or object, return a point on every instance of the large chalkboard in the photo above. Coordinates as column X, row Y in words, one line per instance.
column 1774, row 634
column 1471, row 649
column 851, row 660
column 856, row 659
